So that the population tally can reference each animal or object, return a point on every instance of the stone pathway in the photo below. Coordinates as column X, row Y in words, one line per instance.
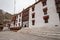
column 53, row 32
column 8, row 35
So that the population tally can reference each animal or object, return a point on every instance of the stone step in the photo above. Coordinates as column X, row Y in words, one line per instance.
column 43, row 31
column 28, row 30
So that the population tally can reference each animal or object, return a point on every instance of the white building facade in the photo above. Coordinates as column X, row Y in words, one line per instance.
column 17, row 21
column 39, row 13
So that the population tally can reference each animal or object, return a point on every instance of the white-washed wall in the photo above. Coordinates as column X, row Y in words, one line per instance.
column 18, row 21
column 12, row 25
column 38, row 16
column 53, row 15
column 26, row 23
column 39, row 22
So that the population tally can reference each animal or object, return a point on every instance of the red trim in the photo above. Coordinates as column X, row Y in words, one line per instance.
column 46, row 17
column 33, row 22
column 44, row 1
column 45, row 9
column 33, row 15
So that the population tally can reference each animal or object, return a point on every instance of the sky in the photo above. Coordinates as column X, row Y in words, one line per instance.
column 8, row 5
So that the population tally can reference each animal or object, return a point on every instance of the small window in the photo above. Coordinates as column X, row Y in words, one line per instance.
column 33, row 15
column 19, row 24
column 45, row 11
column 46, row 18
column 33, row 7
column 33, row 22
column 46, row 21
column 44, row 2
column 16, row 24
column 19, row 20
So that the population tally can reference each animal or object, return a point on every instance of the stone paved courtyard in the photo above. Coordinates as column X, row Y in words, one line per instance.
column 42, row 33
column 8, row 35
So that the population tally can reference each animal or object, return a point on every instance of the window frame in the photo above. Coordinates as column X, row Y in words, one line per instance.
column 45, row 10
column 33, row 15
column 33, row 7
column 44, row 2
column 33, row 22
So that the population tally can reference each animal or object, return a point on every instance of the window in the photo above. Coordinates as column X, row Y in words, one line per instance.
column 19, row 24
column 16, row 24
column 33, row 15
column 45, row 11
column 46, row 18
column 19, row 20
column 46, row 21
column 57, row 2
column 33, row 7
column 33, row 22
column 44, row 2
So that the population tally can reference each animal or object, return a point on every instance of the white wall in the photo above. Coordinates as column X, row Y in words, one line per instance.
column 39, row 22
column 18, row 21
column 53, row 15
column 12, row 25
column 38, row 16
column 26, row 23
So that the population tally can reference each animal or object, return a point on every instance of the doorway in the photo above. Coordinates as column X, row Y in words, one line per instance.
column 59, row 16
